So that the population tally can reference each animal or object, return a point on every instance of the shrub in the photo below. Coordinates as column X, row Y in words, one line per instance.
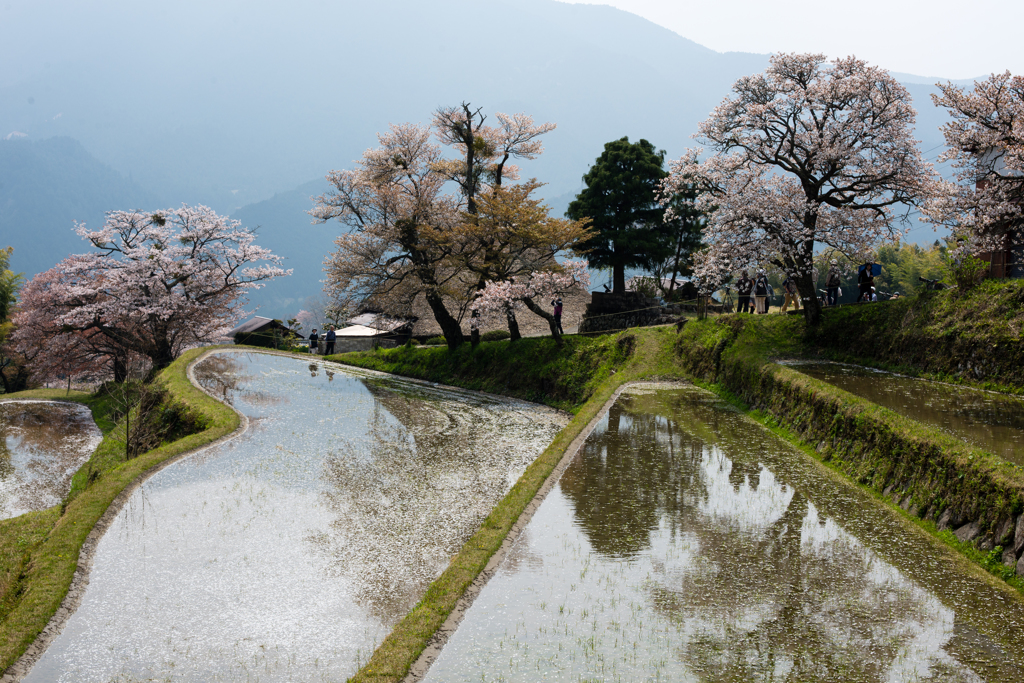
column 495, row 335
column 270, row 339
column 435, row 341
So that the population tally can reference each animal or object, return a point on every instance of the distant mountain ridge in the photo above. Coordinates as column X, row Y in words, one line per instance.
column 254, row 100
column 47, row 185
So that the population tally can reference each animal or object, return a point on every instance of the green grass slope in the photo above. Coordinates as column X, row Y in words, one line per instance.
column 39, row 551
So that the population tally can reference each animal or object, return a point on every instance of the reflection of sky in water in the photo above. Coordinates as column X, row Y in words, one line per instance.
column 747, row 570
column 745, row 506
column 249, row 561
column 42, row 445
column 994, row 422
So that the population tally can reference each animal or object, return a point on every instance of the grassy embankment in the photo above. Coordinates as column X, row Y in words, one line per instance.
column 972, row 338
column 39, row 551
column 938, row 481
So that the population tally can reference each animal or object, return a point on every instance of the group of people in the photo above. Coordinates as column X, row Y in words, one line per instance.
column 755, row 294
column 329, row 339
column 758, row 289
column 761, row 291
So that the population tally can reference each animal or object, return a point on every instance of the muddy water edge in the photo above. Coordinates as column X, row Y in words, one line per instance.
column 42, row 445
column 687, row 543
column 289, row 552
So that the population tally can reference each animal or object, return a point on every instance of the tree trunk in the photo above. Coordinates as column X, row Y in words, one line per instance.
column 513, row 325
column 449, row 326
column 809, row 296
column 618, row 279
column 532, row 305
column 162, row 357
column 120, row 369
column 614, row 413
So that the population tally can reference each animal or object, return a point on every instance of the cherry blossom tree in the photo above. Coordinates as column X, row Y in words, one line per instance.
column 985, row 142
column 809, row 152
column 403, row 238
column 511, row 236
column 157, row 283
column 399, row 219
column 523, row 291
column 484, row 151
column 52, row 353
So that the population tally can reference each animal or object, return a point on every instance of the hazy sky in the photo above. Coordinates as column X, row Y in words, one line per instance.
column 942, row 38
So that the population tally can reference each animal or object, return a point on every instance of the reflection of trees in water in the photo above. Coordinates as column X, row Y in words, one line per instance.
column 49, row 440
column 773, row 592
column 409, row 496
column 224, row 376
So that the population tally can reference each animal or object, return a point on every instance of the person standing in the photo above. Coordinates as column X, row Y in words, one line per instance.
column 329, row 338
column 792, row 294
column 557, row 305
column 761, row 292
column 314, row 341
column 832, row 282
column 866, row 281
column 744, row 287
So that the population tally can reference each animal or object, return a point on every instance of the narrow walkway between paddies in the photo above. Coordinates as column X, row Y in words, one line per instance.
column 42, row 445
column 288, row 553
column 687, row 543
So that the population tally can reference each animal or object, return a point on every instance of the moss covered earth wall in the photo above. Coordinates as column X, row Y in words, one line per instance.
column 969, row 492
column 972, row 337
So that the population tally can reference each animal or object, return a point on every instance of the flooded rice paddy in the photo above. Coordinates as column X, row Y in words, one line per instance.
column 687, row 543
column 993, row 422
column 42, row 445
column 288, row 553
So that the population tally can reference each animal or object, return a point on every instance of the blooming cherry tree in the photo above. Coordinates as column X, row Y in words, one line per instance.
column 809, row 152
column 399, row 222
column 522, row 291
column 157, row 283
column 404, row 235
column 985, row 142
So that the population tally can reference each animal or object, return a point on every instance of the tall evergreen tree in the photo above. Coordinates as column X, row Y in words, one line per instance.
column 621, row 199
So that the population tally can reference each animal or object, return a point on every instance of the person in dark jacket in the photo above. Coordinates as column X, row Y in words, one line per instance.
column 314, row 341
column 761, row 288
column 866, row 281
column 744, row 287
column 832, row 282
column 791, row 292
column 556, row 303
column 329, row 338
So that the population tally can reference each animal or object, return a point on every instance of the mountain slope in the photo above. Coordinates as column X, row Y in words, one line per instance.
column 45, row 186
column 256, row 98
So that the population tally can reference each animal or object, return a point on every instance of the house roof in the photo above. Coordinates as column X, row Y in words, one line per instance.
column 257, row 323
column 359, row 331
column 378, row 322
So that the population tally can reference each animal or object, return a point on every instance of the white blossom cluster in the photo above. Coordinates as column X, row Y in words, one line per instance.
column 985, row 142
column 497, row 298
column 809, row 152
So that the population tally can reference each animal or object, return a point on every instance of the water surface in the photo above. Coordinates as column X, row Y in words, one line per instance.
column 993, row 422
column 290, row 552
column 687, row 543
column 42, row 445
